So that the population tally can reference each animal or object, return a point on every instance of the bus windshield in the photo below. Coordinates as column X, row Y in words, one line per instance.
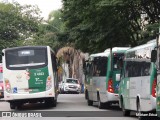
column 26, row 58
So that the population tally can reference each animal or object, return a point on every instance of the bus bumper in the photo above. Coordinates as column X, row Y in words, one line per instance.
column 153, row 102
column 19, row 96
column 110, row 97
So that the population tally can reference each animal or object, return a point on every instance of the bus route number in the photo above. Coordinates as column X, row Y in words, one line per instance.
column 39, row 74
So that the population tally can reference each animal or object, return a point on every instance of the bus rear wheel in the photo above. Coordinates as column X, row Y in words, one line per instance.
column 12, row 105
column 139, row 112
column 86, row 94
column 90, row 102
column 19, row 106
column 54, row 103
column 125, row 112
column 100, row 104
column 51, row 102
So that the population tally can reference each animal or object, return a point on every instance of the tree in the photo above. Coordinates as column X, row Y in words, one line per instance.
column 96, row 25
column 17, row 23
column 52, row 32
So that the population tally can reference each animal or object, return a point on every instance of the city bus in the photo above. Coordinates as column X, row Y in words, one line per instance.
column 137, row 90
column 30, row 75
column 155, row 57
column 1, row 81
column 102, row 76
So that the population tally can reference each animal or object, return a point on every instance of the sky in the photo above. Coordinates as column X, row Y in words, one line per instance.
column 46, row 6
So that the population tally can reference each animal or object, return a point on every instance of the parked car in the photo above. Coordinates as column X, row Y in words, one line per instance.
column 70, row 85
column 1, row 82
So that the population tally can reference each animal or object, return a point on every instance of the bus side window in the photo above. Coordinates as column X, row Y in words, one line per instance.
column 103, row 67
column 91, row 69
column 95, row 68
column 128, row 69
column 136, row 69
column 145, row 69
column 87, row 69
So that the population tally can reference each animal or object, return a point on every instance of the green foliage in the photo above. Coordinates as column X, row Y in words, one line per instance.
column 94, row 25
column 52, row 32
column 17, row 23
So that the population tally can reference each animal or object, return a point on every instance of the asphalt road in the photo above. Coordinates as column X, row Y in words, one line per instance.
column 69, row 107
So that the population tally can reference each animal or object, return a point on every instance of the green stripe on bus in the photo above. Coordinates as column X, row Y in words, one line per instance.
column 37, row 81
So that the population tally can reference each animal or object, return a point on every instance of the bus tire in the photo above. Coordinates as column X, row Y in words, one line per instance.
column 139, row 111
column 12, row 106
column 100, row 104
column 86, row 94
column 48, row 102
column 90, row 102
column 107, row 105
column 125, row 112
column 54, row 103
column 51, row 102
column 19, row 106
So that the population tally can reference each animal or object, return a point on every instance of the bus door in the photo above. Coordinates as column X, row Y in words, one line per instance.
column 89, row 80
column 125, row 84
column 117, row 67
column 158, row 95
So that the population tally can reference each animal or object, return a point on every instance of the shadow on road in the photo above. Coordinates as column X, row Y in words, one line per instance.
column 114, row 107
column 35, row 106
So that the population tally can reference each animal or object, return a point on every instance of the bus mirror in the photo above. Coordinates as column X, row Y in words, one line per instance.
column 153, row 55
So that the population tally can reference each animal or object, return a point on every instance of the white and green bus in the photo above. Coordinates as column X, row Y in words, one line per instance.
column 30, row 75
column 137, row 91
column 103, row 76
column 155, row 57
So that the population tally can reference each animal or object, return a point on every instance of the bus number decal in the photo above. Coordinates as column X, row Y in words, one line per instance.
column 39, row 74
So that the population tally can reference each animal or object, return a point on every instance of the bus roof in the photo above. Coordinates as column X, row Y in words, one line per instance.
column 107, row 51
column 25, row 47
column 114, row 49
column 103, row 54
column 148, row 44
